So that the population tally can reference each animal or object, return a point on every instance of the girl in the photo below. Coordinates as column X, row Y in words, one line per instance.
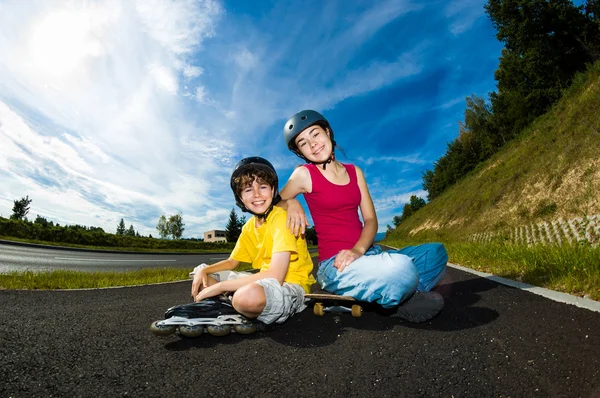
column 348, row 263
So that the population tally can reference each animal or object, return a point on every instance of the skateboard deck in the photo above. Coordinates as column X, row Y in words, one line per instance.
column 329, row 302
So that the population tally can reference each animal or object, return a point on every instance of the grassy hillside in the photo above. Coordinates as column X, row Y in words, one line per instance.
column 551, row 171
column 526, row 200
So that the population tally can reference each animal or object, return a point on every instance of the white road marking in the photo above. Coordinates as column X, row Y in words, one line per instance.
column 104, row 261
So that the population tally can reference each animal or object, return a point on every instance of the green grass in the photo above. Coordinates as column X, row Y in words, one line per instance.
column 573, row 269
column 29, row 280
column 88, row 280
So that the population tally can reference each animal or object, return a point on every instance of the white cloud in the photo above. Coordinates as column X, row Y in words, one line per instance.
column 191, row 71
column 245, row 59
column 411, row 159
column 108, row 72
column 151, row 103
column 180, row 25
column 463, row 14
column 383, row 203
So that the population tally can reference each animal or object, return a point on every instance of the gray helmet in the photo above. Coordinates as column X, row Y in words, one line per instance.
column 260, row 163
column 299, row 122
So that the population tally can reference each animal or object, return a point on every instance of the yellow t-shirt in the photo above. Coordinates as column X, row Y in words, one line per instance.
column 257, row 245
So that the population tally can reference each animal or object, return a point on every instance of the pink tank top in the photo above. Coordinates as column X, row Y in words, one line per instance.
column 334, row 210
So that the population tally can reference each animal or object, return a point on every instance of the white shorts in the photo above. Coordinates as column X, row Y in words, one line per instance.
column 283, row 301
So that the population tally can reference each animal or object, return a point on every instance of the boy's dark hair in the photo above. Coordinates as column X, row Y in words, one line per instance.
column 250, row 174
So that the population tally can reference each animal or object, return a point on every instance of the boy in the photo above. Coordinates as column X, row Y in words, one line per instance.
column 277, row 291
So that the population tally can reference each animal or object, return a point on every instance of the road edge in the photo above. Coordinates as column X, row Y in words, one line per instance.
column 560, row 297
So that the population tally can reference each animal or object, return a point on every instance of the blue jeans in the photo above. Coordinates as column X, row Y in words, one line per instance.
column 430, row 259
column 387, row 278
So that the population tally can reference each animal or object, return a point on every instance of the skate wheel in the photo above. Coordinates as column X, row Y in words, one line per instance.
column 222, row 330
column 356, row 311
column 245, row 328
column 162, row 330
column 191, row 331
column 318, row 309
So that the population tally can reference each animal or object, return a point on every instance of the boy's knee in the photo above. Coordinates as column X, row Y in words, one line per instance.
column 250, row 299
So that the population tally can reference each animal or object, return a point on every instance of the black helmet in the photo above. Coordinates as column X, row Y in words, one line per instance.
column 260, row 163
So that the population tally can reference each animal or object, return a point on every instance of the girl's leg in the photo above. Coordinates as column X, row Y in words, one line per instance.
column 385, row 278
column 430, row 259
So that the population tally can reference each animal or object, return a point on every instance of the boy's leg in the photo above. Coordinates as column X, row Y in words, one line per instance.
column 275, row 302
column 250, row 300
column 385, row 278
column 430, row 259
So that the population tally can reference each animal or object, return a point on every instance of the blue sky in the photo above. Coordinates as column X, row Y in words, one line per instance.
column 122, row 109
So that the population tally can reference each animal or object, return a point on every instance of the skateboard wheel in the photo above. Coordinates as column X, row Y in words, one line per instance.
column 356, row 311
column 219, row 330
column 191, row 331
column 245, row 328
column 318, row 309
column 162, row 330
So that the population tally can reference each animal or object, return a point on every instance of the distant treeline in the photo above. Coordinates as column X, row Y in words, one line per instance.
column 94, row 236
column 546, row 43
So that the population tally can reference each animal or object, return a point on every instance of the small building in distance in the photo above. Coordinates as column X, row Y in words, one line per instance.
column 215, row 236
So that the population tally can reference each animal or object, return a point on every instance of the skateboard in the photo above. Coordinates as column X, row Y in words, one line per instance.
column 329, row 302
column 215, row 316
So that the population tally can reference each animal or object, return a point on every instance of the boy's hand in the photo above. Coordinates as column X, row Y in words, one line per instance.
column 345, row 258
column 200, row 281
column 210, row 291
column 296, row 218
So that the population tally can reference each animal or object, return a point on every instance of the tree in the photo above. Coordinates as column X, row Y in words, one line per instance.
column 121, row 228
column 43, row 222
column 130, row 231
column 175, row 226
column 233, row 229
column 311, row 235
column 416, row 202
column 162, row 227
column 388, row 230
column 21, row 208
column 546, row 43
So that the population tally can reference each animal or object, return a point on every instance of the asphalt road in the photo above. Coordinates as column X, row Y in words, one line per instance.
column 41, row 258
column 489, row 341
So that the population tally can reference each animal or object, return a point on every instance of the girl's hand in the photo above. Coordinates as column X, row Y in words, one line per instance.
column 210, row 291
column 345, row 258
column 296, row 218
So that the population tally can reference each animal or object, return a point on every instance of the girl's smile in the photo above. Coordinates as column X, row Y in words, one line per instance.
column 314, row 143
